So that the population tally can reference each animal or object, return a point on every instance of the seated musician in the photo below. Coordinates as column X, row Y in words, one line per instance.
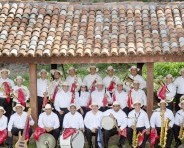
column 20, row 92
column 138, row 121
column 159, row 118
column 121, row 123
column 17, row 123
column 92, row 122
column 179, row 124
column 49, row 121
column 3, row 126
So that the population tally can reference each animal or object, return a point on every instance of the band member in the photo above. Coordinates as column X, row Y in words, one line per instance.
column 91, row 79
column 20, row 92
column 100, row 96
column 179, row 81
column 82, row 99
column 17, row 123
column 179, row 123
column 49, row 121
column 138, row 123
column 3, row 125
column 42, row 86
column 161, row 117
column 121, row 119
column 62, row 101
column 135, row 76
column 73, row 119
column 92, row 121
column 167, row 91
column 110, row 80
column 6, row 85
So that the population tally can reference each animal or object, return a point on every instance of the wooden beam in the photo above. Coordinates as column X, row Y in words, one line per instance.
column 150, row 89
column 33, row 91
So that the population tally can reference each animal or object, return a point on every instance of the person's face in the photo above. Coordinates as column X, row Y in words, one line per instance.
column 1, row 113
column 133, row 72
column 100, row 87
column 182, row 106
column 116, row 108
column 73, row 109
column 48, row 111
column 136, row 85
column 119, row 87
column 4, row 74
column 43, row 75
column 162, row 106
column 110, row 72
column 19, row 81
column 65, row 88
column 57, row 75
column 94, row 108
column 83, row 88
column 137, row 106
column 72, row 72
column 92, row 71
column 182, row 73
column 19, row 110
column 168, row 80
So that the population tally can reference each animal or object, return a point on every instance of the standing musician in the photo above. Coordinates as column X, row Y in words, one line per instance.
column 138, row 125
column 92, row 122
column 21, row 93
column 179, row 81
column 82, row 99
column 100, row 96
column 3, row 125
column 6, row 85
column 49, row 121
column 178, row 129
column 121, row 123
column 167, row 91
column 91, row 79
column 17, row 123
column 110, row 80
column 62, row 101
column 135, row 76
column 162, row 120
column 42, row 86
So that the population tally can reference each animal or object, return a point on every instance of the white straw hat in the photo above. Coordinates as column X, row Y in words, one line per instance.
column 18, row 105
column 136, row 102
column 19, row 77
column 94, row 104
column 55, row 70
column 73, row 104
column 65, row 84
column 2, row 108
column 133, row 67
column 181, row 101
column 115, row 103
column 71, row 68
column 136, row 82
column 92, row 66
column 181, row 70
column 110, row 68
column 119, row 83
column 4, row 69
column 43, row 70
column 163, row 101
column 99, row 83
column 47, row 106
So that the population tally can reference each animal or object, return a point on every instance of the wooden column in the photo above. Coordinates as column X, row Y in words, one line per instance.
column 33, row 91
column 150, row 88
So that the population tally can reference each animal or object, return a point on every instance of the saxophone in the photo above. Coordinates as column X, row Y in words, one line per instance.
column 181, row 132
column 135, row 137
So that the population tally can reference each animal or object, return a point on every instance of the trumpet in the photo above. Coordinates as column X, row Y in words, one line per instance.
column 128, row 81
column 181, row 132
column 162, row 84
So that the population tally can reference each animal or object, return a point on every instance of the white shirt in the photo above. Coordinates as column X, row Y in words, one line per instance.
column 179, row 117
column 10, row 82
column 122, row 98
column 89, row 79
column 25, row 90
column 73, row 121
column 19, row 121
column 49, row 121
column 53, row 85
column 120, row 116
column 107, row 80
column 139, row 95
column 62, row 100
column 83, row 99
column 42, row 86
column 3, row 122
column 141, row 118
column 92, row 120
column 155, row 120
column 71, row 80
column 172, row 88
column 179, row 83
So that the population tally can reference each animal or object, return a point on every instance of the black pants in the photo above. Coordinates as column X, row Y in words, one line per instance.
column 130, row 136
column 126, row 110
column 61, row 117
column 55, row 133
column 89, row 135
column 15, row 131
column 40, row 103
column 85, row 110
column 7, row 107
column 103, row 109
column 110, row 133
column 177, row 99
column 169, row 138
column 170, row 106
column 176, row 130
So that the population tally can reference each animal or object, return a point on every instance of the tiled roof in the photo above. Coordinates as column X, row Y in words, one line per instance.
column 118, row 29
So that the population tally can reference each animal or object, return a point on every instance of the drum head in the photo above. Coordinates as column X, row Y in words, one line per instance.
column 46, row 141
column 107, row 123
column 77, row 140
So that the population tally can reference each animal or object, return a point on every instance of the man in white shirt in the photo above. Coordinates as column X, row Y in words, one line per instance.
column 6, row 85
column 49, row 121
column 91, row 79
column 179, row 83
column 42, row 88
column 159, row 115
column 135, row 76
column 121, row 124
column 62, row 101
column 179, row 122
column 73, row 119
column 138, row 120
column 92, row 122
column 17, row 123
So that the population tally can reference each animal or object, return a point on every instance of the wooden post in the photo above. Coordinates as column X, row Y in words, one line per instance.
column 33, row 91
column 150, row 89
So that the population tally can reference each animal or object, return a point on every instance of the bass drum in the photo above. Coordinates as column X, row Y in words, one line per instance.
column 46, row 141
column 74, row 141
column 108, row 123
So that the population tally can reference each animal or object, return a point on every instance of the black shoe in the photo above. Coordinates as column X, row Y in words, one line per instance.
column 10, row 146
column 178, row 144
column 119, row 145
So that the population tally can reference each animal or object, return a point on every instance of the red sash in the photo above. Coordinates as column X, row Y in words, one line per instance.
column 114, row 97
column 141, row 137
column 129, row 102
column 153, row 137
column 21, row 97
column 68, row 132
column 105, row 101
column 111, row 86
column 55, row 92
column 7, row 91
column 92, row 88
column 123, row 133
column 162, row 92
column 45, row 101
column 3, row 135
column 38, row 132
column 73, row 87
column 90, row 101
column 73, row 98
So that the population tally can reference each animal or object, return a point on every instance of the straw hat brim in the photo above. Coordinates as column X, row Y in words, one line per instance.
column 5, row 70
column 133, row 68
column 163, row 102
column 54, row 70
column 3, row 110
column 14, row 108
column 88, row 69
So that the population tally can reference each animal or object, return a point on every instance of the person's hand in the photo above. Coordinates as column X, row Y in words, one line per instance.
column 133, row 126
column 45, row 94
column 119, row 130
column 61, row 112
column 148, row 131
column 82, row 129
column 9, row 134
column 81, row 110
column 111, row 115
column 93, row 130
